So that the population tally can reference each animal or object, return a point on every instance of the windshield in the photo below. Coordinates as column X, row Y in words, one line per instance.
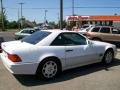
column 85, row 26
column 36, row 37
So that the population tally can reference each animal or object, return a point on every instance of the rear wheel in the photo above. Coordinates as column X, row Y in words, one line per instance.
column 48, row 69
column 108, row 57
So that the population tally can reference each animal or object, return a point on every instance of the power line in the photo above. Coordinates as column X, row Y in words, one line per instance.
column 63, row 7
column 92, row 7
column 33, row 8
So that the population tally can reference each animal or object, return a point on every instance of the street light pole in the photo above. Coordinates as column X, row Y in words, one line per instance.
column 73, row 7
column 61, row 14
column 45, row 18
column 18, row 19
column 2, row 17
column 21, row 4
column 58, row 20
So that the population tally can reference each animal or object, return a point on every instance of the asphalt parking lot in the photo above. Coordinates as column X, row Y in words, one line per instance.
column 91, row 77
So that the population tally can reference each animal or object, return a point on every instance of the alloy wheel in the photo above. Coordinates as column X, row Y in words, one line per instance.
column 49, row 69
column 108, row 57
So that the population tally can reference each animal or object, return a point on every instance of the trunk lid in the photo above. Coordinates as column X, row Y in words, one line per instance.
column 14, row 46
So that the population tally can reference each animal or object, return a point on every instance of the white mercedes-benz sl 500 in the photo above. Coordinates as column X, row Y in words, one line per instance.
column 48, row 52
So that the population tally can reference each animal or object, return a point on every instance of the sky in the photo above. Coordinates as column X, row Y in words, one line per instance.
column 35, row 9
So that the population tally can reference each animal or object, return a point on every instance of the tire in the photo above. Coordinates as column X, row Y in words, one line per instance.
column 19, row 38
column 48, row 69
column 108, row 57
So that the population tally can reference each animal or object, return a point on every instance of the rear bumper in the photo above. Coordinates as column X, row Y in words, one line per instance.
column 19, row 68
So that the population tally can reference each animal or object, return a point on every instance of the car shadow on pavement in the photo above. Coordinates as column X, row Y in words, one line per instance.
column 30, row 80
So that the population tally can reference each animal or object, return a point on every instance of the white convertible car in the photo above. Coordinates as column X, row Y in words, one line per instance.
column 48, row 52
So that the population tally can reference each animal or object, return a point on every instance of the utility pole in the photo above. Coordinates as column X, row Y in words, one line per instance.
column 61, row 14
column 73, row 7
column 21, row 5
column 2, row 16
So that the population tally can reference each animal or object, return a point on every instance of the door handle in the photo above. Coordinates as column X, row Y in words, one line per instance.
column 68, row 50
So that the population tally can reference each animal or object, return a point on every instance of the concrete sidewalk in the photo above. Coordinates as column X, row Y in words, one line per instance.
column 118, row 49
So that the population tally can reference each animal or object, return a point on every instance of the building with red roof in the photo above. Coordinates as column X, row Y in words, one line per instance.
column 109, row 20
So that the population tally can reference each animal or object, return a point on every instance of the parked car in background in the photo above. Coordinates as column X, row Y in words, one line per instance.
column 85, row 28
column 83, row 31
column 24, row 32
column 48, row 52
column 104, row 33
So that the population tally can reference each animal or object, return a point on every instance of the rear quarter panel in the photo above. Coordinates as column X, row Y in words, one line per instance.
column 102, row 47
column 38, row 53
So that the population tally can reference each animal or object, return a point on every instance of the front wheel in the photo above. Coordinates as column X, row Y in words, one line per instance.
column 108, row 57
column 48, row 69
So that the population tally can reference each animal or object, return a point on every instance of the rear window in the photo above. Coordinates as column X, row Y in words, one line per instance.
column 25, row 31
column 115, row 31
column 28, row 31
column 85, row 26
column 36, row 37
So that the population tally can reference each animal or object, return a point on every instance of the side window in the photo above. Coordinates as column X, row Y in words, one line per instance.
column 69, row 39
column 59, row 41
column 96, row 29
column 74, row 39
column 115, row 31
column 31, row 31
column 105, row 30
column 25, row 31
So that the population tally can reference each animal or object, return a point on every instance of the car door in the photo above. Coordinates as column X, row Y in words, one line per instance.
column 115, row 36
column 25, row 33
column 105, row 33
column 77, row 50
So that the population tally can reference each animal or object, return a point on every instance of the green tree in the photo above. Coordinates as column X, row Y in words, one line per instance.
column 52, row 24
column 73, row 23
column 12, row 25
column 64, row 24
column 5, row 19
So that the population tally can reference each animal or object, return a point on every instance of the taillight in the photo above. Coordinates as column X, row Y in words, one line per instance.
column 14, row 58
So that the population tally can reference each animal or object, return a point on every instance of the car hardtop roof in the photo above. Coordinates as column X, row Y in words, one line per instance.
column 57, row 31
column 28, row 29
column 88, row 25
column 104, row 26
